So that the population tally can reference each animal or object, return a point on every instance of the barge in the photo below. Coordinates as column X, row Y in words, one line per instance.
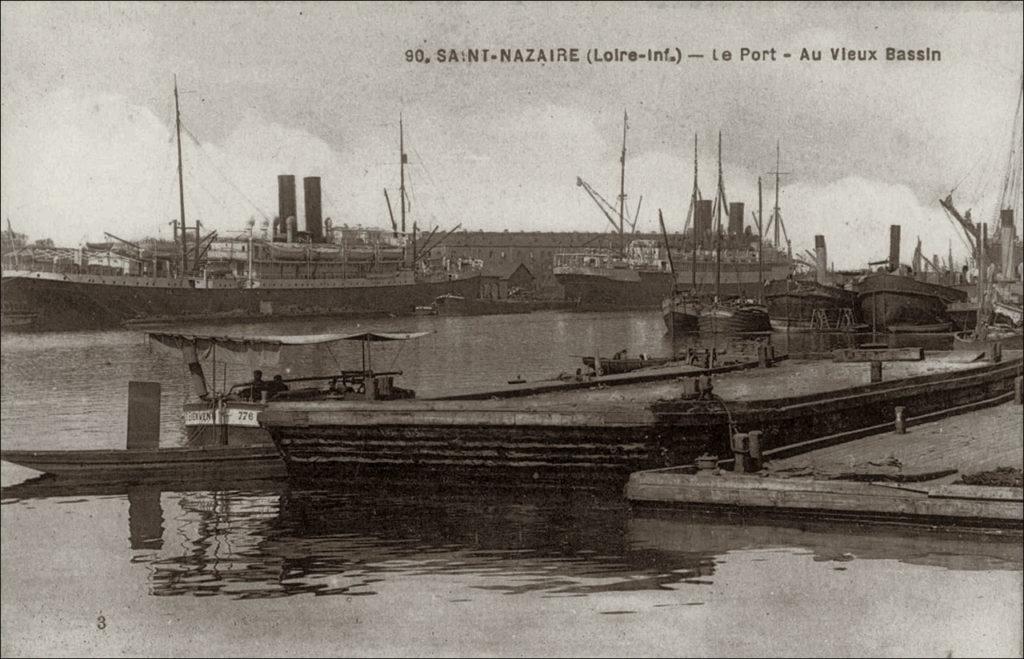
column 600, row 434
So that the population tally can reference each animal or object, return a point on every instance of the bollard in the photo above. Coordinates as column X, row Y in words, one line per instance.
column 901, row 422
column 740, row 444
column 754, row 442
column 876, row 371
column 762, row 356
column 1018, row 385
column 705, row 386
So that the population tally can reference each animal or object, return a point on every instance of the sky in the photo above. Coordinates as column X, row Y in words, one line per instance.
column 87, row 115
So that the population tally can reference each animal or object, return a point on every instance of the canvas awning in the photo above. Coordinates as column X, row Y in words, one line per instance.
column 265, row 350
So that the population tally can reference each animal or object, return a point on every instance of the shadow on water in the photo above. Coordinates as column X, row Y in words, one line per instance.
column 270, row 539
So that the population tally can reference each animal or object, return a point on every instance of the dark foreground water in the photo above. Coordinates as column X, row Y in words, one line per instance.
column 370, row 569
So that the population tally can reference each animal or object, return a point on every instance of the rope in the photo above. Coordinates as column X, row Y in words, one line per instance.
column 221, row 174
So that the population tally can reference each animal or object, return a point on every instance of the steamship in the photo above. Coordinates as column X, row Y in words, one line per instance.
column 272, row 271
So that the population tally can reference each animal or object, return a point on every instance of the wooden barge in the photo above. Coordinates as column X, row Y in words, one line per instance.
column 705, row 424
column 601, row 434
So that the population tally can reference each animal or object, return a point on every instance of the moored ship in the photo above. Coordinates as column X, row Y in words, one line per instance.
column 275, row 270
column 641, row 274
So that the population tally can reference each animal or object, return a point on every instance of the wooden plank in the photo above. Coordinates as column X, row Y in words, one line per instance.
column 878, row 355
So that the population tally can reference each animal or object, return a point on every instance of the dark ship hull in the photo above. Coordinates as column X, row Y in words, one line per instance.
column 734, row 319
column 885, row 300
column 637, row 289
column 58, row 302
column 681, row 314
column 795, row 304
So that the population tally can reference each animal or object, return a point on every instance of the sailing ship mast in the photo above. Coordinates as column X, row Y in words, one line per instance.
column 720, row 201
column 401, row 170
column 181, row 185
column 694, row 198
column 622, row 185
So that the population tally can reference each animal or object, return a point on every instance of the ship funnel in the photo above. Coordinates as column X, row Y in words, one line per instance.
column 894, row 247
column 735, row 218
column 314, row 218
column 702, row 221
column 285, row 201
column 1007, row 239
column 821, row 258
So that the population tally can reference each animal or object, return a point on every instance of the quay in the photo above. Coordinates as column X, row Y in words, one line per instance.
column 903, row 477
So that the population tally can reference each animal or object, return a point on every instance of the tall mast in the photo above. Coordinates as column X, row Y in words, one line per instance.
column 181, row 184
column 775, row 211
column 622, row 185
column 401, row 168
column 694, row 198
column 760, row 240
column 718, row 224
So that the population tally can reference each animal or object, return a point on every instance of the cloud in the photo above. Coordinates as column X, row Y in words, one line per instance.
column 75, row 167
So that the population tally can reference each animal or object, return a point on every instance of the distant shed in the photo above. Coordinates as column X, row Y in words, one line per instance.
column 499, row 280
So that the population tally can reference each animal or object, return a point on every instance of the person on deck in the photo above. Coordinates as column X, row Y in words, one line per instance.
column 257, row 385
column 276, row 386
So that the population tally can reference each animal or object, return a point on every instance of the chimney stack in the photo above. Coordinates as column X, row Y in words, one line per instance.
column 1007, row 238
column 702, row 221
column 821, row 258
column 285, row 201
column 314, row 219
column 894, row 247
column 735, row 218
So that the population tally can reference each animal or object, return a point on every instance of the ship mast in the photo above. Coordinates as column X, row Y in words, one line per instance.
column 401, row 169
column 694, row 198
column 181, row 184
column 719, row 200
column 622, row 185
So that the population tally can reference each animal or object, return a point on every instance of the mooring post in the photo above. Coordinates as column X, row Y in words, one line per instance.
column 1018, row 385
column 741, row 452
column 901, row 422
column 876, row 371
column 754, row 442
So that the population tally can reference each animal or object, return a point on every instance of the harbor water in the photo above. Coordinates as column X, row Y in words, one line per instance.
column 375, row 568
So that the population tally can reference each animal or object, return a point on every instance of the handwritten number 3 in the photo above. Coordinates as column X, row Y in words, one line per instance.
column 101, row 622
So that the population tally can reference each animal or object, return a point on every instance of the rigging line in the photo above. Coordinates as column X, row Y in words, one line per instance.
column 202, row 150
column 430, row 178
column 337, row 362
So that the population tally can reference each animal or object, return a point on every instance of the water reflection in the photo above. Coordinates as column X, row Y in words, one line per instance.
column 268, row 540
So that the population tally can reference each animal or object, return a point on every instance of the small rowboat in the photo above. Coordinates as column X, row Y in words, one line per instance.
column 132, row 465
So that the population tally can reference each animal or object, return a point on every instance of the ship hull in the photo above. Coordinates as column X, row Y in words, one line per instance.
column 734, row 320
column 596, row 289
column 82, row 302
column 885, row 300
column 681, row 314
column 808, row 305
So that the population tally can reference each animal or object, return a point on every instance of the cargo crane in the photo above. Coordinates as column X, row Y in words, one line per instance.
column 606, row 207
